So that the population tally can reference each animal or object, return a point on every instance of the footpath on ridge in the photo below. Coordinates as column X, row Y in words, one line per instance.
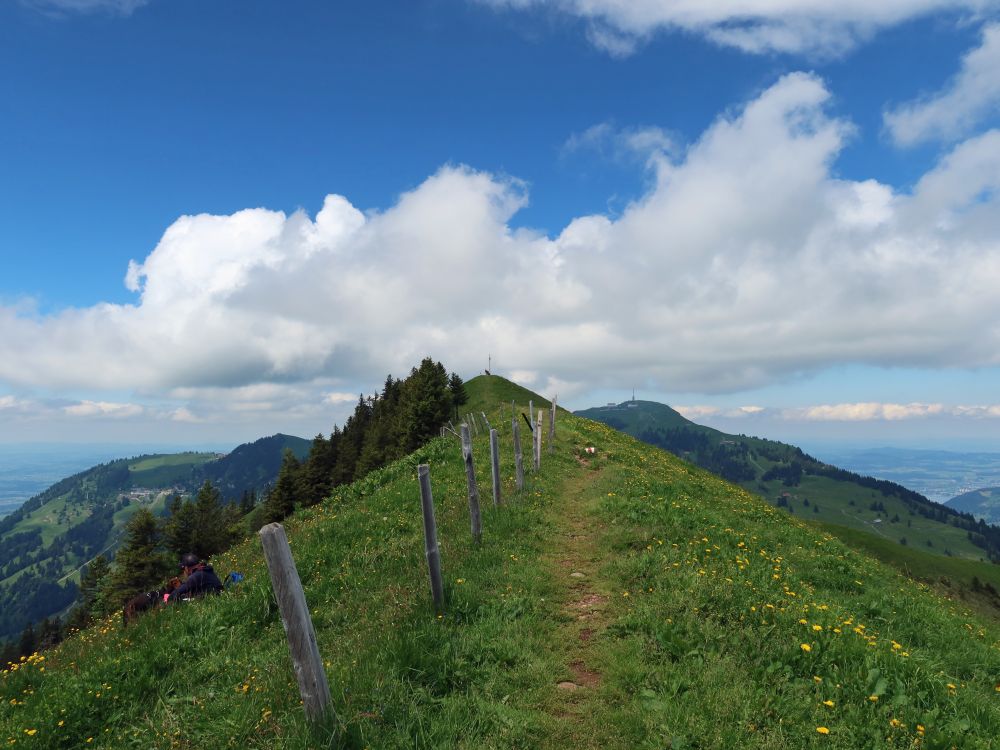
column 575, row 564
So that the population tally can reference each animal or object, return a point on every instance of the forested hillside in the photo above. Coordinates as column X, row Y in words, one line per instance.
column 45, row 543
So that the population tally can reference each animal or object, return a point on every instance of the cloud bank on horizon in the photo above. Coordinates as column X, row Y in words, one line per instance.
column 748, row 261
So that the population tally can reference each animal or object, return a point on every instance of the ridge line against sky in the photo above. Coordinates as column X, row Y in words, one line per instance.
column 772, row 214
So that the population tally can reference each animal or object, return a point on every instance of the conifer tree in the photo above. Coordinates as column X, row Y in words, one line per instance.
column 382, row 443
column 458, row 394
column 248, row 502
column 281, row 500
column 93, row 591
column 179, row 527
column 317, row 472
column 212, row 532
column 351, row 442
column 49, row 633
column 140, row 564
column 426, row 403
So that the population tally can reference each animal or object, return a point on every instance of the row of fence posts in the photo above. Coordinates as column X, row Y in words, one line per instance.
column 306, row 660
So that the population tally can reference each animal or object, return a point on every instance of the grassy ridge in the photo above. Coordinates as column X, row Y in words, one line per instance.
column 719, row 622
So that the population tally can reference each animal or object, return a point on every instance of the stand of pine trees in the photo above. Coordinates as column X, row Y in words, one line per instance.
column 384, row 427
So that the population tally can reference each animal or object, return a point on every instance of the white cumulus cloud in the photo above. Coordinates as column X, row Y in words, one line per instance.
column 62, row 7
column 747, row 262
column 971, row 96
column 798, row 26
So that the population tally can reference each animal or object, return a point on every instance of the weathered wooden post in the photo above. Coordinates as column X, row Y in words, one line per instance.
column 308, row 664
column 488, row 425
column 495, row 455
column 518, row 457
column 538, row 439
column 552, row 427
column 470, row 478
column 531, row 412
column 430, row 537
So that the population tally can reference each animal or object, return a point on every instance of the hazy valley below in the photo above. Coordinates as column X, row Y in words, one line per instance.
column 936, row 474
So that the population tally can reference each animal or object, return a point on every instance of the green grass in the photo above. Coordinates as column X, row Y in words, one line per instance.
column 166, row 470
column 493, row 394
column 834, row 500
column 707, row 596
column 952, row 576
column 47, row 519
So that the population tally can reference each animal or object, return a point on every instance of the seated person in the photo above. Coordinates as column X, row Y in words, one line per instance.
column 200, row 579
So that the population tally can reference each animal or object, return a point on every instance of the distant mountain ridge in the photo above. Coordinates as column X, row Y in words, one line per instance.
column 982, row 503
column 799, row 483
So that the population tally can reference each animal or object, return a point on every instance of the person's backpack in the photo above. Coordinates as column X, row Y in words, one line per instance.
column 232, row 579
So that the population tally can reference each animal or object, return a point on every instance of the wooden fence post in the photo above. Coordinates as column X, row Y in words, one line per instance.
column 431, row 549
column 488, row 425
column 470, row 478
column 538, row 440
column 531, row 412
column 308, row 664
column 518, row 457
column 495, row 455
column 552, row 427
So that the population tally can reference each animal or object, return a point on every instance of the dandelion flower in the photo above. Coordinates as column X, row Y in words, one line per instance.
column 822, row 730
column 829, row 703
column 806, row 647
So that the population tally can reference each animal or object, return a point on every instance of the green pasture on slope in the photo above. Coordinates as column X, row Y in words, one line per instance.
column 833, row 499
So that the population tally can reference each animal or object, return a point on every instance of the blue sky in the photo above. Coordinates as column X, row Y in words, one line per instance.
column 778, row 216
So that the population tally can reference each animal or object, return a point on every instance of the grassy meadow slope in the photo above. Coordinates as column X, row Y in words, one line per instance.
column 623, row 599
column 921, row 538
